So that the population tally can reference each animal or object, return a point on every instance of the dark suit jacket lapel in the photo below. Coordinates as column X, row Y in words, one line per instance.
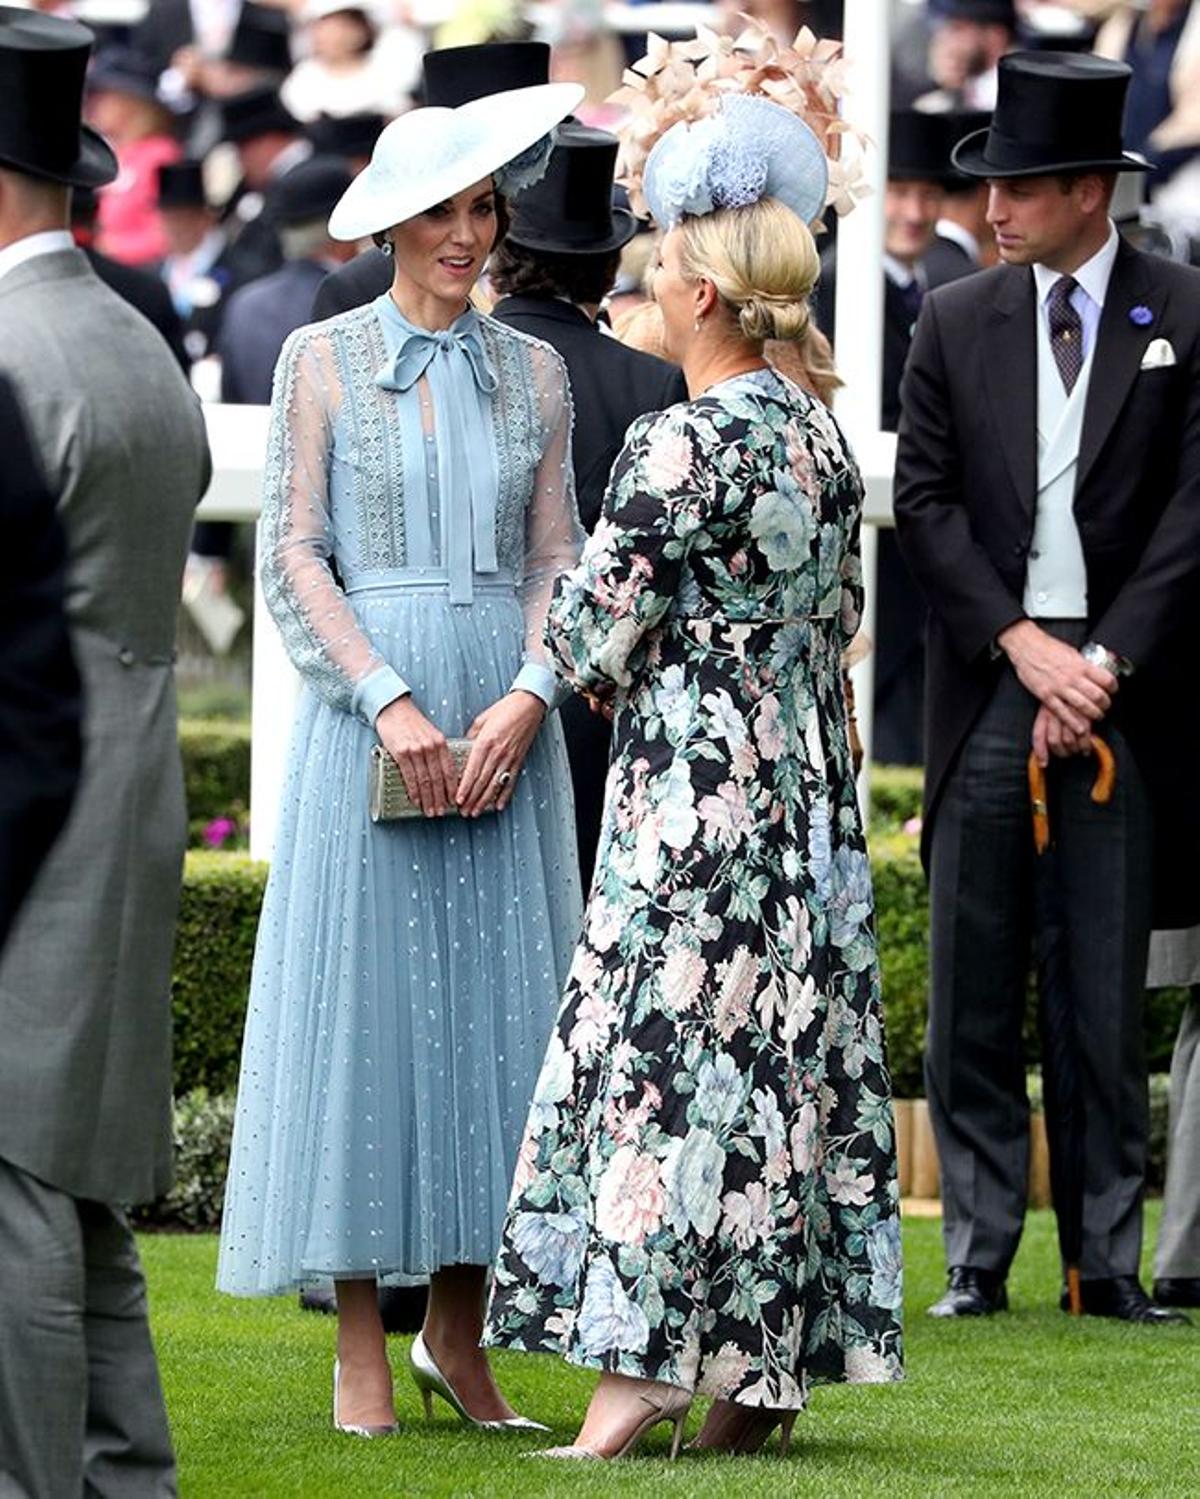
column 1120, row 346
column 1009, row 351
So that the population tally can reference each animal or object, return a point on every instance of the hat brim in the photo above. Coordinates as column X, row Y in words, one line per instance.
column 95, row 166
column 624, row 227
column 969, row 156
column 380, row 197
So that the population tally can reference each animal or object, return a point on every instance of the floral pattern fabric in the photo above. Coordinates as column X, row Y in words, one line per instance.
column 706, row 1190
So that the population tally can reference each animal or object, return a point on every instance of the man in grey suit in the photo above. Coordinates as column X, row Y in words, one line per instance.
column 85, row 1064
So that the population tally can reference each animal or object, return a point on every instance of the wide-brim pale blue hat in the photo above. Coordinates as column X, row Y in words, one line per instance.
column 429, row 155
column 748, row 149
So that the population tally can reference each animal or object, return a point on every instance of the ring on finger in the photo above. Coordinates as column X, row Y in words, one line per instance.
column 503, row 777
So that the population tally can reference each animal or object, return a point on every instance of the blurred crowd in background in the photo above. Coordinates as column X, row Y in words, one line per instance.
column 213, row 105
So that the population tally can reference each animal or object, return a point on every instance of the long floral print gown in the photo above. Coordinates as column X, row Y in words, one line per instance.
column 706, row 1192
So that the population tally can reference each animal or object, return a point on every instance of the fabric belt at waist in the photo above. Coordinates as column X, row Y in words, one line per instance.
column 422, row 580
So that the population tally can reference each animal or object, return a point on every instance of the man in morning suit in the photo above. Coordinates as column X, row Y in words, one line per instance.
column 1047, row 500
column 556, row 265
column 85, row 1065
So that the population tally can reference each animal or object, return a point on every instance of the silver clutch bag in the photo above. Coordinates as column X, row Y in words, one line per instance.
column 389, row 799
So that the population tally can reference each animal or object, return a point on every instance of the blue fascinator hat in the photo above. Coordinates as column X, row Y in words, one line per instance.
column 748, row 149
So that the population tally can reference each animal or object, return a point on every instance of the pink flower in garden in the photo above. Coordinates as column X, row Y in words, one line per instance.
column 219, row 831
column 913, row 827
column 630, row 1201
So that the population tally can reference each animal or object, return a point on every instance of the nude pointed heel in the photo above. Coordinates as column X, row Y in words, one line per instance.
column 666, row 1403
column 785, row 1433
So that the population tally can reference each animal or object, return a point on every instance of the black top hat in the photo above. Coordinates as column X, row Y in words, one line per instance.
column 1055, row 112
column 345, row 135
column 985, row 12
column 181, row 185
column 261, row 39
column 309, row 191
column 919, row 146
column 456, row 75
column 570, row 211
column 43, row 60
column 258, row 111
column 959, row 124
column 124, row 71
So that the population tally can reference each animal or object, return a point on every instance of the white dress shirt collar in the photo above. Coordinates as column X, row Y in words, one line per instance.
column 952, row 230
column 1093, row 275
column 899, row 273
column 46, row 242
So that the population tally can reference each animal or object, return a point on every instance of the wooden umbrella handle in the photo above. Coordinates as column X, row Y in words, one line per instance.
column 1038, row 805
column 1106, row 771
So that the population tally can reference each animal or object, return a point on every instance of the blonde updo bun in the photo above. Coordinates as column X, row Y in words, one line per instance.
column 762, row 319
column 763, row 262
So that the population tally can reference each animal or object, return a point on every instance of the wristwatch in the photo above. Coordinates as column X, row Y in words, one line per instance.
column 1096, row 654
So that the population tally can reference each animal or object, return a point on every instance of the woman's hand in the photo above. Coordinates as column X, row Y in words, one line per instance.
column 502, row 735
column 419, row 750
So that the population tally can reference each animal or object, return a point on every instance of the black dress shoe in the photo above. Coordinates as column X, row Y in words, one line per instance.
column 971, row 1293
column 1178, row 1291
column 1122, row 1297
column 401, row 1308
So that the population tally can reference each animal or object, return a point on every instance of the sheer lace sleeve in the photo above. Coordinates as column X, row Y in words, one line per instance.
column 553, row 534
column 319, row 629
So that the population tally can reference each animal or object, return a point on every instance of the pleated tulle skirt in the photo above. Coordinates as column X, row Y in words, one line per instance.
column 405, row 983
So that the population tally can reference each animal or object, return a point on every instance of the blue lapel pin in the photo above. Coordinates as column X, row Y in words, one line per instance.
column 1141, row 315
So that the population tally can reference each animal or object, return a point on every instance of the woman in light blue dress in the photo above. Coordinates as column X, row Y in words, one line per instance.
column 417, row 510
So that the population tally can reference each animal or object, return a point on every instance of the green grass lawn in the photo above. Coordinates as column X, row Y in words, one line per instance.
column 1028, row 1403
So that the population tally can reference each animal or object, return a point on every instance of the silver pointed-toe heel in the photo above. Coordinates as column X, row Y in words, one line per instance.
column 350, row 1428
column 430, row 1381
column 663, row 1403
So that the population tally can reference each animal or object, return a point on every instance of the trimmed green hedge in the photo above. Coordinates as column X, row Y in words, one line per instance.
column 222, row 894
column 216, row 772
column 895, row 796
column 214, row 947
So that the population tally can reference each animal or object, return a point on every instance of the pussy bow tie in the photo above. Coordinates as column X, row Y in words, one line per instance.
column 471, row 534
column 419, row 350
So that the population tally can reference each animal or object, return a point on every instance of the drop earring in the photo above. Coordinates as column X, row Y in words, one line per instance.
column 387, row 248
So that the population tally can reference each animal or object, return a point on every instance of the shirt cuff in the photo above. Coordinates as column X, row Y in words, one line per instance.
column 539, row 680
column 376, row 690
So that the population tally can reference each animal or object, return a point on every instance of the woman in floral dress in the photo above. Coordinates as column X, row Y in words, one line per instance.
column 706, row 1195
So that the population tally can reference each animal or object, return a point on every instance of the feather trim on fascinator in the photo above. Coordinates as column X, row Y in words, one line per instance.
column 720, row 122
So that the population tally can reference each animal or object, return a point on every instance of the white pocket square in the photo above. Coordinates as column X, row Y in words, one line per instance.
column 1159, row 355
